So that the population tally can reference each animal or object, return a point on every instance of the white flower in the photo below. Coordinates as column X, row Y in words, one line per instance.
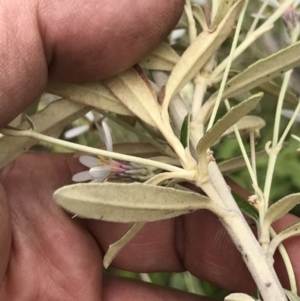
column 79, row 130
column 100, row 169
column 95, row 173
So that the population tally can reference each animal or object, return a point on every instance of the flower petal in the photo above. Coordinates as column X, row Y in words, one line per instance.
column 105, row 135
column 108, row 138
column 100, row 172
column 176, row 34
column 72, row 133
column 89, row 161
column 90, row 116
column 81, row 176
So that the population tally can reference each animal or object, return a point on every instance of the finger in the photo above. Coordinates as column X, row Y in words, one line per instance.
column 78, row 40
column 196, row 242
column 52, row 257
column 5, row 233
column 117, row 289
column 113, row 35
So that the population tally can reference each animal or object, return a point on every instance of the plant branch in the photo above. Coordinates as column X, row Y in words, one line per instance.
column 140, row 134
column 266, row 26
column 90, row 150
column 290, row 124
column 286, row 259
column 191, row 21
column 243, row 150
column 159, row 178
column 228, row 65
column 235, row 224
column 257, row 17
column 275, row 148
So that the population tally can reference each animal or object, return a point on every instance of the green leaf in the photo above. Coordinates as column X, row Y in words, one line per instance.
column 224, row 6
column 258, row 73
column 91, row 94
column 247, row 124
column 127, row 203
column 292, row 296
column 134, row 90
column 288, row 232
column 228, row 120
column 30, row 122
column 198, row 53
column 184, row 134
column 136, row 149
column 237, row 163
column 199, row 16
column 264, row 70
column 164, row 58
column 281, row 208
column 48, row 121
column 245, row 207
column 182, row 23
column 115, row 248
column 273, row 89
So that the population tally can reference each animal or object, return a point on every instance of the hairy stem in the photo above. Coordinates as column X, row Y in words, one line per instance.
column 235, row 224
column 287, row 262
column 228, row 65
column 91, row 150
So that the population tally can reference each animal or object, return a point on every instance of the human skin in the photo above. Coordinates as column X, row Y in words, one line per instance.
column 46, row 255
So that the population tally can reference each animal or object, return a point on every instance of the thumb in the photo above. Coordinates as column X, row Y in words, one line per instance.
column 74, row 40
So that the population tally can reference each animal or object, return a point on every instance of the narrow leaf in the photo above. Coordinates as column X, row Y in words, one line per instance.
column 292, row 296
column 184, row 134
column 281, row 208
column 128, row 202
column 257, row 74
column 229, row 119
column 136, row 149
column 48, row 121
column 115, row 248
column 182, row 23
column 199, row 16
column 135, row 92
column 288, row 232
column 92, row 94
column 164, row 58
column 224, row 6
column 237, row 163
column 264, row 70
column 274, row 89
column 199, row 52
column 247, row 124
column 30, row 122
column 245, row 207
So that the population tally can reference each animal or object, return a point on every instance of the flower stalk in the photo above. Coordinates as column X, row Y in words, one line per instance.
column 90, row 150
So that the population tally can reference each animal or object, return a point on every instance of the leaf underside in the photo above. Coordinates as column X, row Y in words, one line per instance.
column 134, row 202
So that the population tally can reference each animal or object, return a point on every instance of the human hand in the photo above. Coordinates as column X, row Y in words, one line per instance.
column 45, row 255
